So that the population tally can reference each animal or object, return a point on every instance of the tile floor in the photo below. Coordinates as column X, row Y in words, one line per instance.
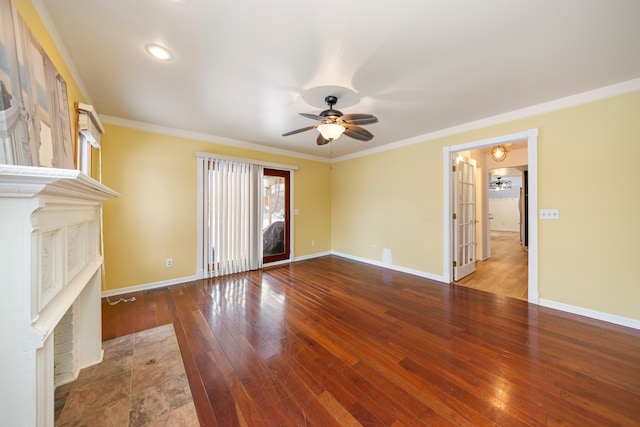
column 141, row 382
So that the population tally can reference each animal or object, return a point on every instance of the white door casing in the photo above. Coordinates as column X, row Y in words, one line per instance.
column 531, row 136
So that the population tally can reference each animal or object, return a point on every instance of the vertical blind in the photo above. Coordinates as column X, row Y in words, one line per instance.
column 231, row 215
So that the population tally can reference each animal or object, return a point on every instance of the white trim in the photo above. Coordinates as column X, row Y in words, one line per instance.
column 89, row 109
column 593, row 314
column 148, row 286
column 270, row 165
column 411, row 271
column 534, row 110
column 531, row 136
column 311, row 256
column 532, row 182
column 446, row 215
column 277, row 263
column 204, row 137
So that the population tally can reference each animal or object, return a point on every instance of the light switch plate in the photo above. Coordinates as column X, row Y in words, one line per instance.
column 549, row 214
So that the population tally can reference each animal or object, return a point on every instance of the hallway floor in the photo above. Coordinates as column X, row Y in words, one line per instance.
column 506, row 271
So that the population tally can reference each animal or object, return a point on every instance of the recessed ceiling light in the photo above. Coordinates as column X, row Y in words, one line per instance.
column 159, row 52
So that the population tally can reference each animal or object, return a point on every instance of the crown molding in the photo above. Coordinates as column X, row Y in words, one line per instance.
column 546, row 107
column 213, row 139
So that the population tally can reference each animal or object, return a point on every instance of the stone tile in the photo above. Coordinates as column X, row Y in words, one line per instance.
column 120, row 365
column 117, row 360
column 98, row 403
column 184, row 416
column 155, row 371
column 117, row 344
column 160, row 345
column 155, row 335
column 152, row 402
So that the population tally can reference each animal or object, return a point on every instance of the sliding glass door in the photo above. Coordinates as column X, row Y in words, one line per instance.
column 275, row 215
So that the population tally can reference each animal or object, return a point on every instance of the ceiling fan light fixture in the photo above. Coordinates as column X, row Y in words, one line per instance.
column 333, row 124
column 499, row 153
column 331, row 131
column 499, row 185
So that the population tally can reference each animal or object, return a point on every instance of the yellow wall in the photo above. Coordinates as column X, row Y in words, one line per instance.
column 587, row 167
column 391, row 200
column 155, row 217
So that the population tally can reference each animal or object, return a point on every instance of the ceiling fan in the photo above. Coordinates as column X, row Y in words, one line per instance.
column 334, row 123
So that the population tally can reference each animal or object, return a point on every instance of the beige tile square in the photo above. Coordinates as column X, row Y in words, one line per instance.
column 152, row 402
column 184, row 416
column 98, row 403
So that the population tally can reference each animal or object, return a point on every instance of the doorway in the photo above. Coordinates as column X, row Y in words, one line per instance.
column 530, row 228
column 275, row 215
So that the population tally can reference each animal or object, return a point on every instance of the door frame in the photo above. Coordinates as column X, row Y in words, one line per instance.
column 531, row 135
column 286, row 256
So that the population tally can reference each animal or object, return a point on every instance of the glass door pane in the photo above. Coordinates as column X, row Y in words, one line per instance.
column 275, row 219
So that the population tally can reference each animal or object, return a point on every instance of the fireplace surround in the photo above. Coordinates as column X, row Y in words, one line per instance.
column 50, row 264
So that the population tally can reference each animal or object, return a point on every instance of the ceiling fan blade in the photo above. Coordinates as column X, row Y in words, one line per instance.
column 362, row 121
column 299, row 130
column 356, row 116
column 321, row 141
column 312, row 116
column 356, row 132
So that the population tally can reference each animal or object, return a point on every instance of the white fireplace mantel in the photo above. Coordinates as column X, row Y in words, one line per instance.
column 49, row 262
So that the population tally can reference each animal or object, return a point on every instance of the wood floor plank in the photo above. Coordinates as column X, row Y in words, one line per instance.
column 331, row 341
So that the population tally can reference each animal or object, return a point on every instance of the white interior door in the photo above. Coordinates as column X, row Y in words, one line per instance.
column 464, row 217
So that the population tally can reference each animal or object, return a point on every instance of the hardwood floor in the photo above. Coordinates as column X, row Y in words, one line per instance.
column 506, row 271
column 332, row 342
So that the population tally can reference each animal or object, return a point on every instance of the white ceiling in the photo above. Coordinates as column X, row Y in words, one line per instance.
column 244, row 69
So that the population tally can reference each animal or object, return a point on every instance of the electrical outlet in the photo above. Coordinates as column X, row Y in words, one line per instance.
column 169, row 263
column 373, row 248
column 549, row 214
column 313, row 243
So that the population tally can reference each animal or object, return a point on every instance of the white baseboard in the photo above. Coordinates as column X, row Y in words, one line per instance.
column 276, row 263
column 393, row 267
column 598, row 315
column 148, row 286
column 311, row 256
